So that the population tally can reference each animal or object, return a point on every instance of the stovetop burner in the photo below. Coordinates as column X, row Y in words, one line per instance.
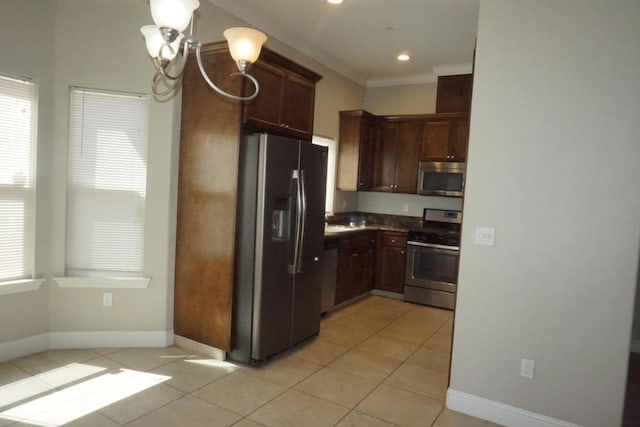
column 439, row 228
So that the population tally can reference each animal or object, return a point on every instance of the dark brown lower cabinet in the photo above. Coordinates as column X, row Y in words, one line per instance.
column 390, row 261
column 356, row 255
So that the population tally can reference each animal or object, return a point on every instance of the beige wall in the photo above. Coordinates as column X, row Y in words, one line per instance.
column 552, row 166
column 97, row 43
column 30, row 53
column 402, row 99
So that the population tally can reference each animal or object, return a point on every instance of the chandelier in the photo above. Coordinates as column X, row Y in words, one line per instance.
column 166, row 42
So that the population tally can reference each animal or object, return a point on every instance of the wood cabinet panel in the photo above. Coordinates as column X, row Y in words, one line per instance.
column 285, row 103
column 445, row 140
column 210, row 134
column 356, row 149
column 297, row 104
column 390, row 261
column 265, row 108
column 454, row 93
column 384, row 170
column 409, row 147
column 356, row 256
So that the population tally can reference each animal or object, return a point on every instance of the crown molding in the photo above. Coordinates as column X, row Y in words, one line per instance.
column 401, row 81
column 452, row 69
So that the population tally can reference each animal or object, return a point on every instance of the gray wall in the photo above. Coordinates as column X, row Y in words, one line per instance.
column 553, row 165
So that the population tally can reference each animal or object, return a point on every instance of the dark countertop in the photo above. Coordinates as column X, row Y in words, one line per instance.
column 331, row 231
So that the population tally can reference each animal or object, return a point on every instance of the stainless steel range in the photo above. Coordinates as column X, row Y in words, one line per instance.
column 432, row 259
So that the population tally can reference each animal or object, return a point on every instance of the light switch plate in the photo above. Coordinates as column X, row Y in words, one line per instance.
column 405, row 208
column 485, row 236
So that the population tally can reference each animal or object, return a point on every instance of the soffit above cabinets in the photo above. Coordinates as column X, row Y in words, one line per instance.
column 361, row 38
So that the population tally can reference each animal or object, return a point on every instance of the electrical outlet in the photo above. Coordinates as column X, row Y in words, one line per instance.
column 344, row 204
column 107, row 299
column 527, row 368
column 485, row 236
column 405, row 208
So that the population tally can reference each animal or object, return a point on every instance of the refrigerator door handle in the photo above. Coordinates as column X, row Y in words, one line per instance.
column 303, row 216
column 293, row 268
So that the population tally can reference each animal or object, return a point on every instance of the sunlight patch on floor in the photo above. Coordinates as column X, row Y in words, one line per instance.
column 71, row 403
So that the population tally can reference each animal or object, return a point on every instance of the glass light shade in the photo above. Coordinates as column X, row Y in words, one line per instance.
column 155, row 41
column 174, row 14
column 244, row 43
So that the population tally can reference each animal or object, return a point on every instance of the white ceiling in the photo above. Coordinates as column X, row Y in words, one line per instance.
column 361, row 38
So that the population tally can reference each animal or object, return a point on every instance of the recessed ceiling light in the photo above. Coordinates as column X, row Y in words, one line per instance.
column 334, row 1
column 404, row 57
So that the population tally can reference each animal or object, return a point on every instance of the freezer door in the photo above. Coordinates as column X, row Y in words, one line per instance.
column 275, row 235
column 307, row 292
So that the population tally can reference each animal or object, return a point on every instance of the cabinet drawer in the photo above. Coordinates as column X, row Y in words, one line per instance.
column 396, row 240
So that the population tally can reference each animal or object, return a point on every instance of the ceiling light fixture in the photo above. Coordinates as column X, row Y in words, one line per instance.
column 404, row 57
column 334, row 1
column 165, row 40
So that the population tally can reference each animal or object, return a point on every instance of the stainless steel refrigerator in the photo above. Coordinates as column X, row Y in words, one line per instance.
column 279, row 245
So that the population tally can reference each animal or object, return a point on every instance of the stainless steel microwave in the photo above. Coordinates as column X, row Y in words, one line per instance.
column 441, row 179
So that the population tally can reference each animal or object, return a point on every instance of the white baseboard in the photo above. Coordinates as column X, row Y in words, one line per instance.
column 635, row 346
column 110, row 339
column 89, row 339
column 499, row 413
column 23, row 347
column 198, row 347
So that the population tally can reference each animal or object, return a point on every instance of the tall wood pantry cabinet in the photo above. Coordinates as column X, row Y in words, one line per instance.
column 210, row 138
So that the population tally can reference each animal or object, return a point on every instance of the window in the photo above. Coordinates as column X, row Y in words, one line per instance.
column 331, row 169
column 107, row 183
column 17, row 192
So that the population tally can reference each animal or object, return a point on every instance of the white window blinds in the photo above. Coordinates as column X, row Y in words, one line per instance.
column 107, row 183
column 17, row 195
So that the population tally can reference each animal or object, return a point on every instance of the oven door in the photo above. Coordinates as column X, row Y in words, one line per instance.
column 432, row 267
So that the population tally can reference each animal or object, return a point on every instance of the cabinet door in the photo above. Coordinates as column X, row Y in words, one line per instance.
column 297, row 105
column 384, row 177
column 459, row 140
column 265, row 109
column 392, row 265
column 409, row 148
column 368, row 146
column 435, row 140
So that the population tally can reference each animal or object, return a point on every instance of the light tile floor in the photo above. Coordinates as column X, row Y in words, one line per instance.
column 378, row 362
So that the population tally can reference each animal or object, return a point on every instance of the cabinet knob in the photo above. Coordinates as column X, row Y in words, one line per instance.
column 354, row 254
column 402, row 252
column 393, row 240
column 316, row 259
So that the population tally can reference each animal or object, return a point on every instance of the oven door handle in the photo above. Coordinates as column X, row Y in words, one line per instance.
column 434, row 246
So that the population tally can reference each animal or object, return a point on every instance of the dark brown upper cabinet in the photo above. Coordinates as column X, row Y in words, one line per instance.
column 285, row 103
column 445, row 138
column 356, row 150
column 396, row 165
column 454, row 93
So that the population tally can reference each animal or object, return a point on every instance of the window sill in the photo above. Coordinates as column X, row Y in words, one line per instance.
column 16, row 286
column 103, row 282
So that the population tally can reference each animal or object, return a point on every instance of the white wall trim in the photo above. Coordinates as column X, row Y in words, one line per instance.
column 23, row 347
column 84, row 339
column 109, row 339
column 15, row 286
column 500, row 413
column 635, row 346
column 103, row 282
